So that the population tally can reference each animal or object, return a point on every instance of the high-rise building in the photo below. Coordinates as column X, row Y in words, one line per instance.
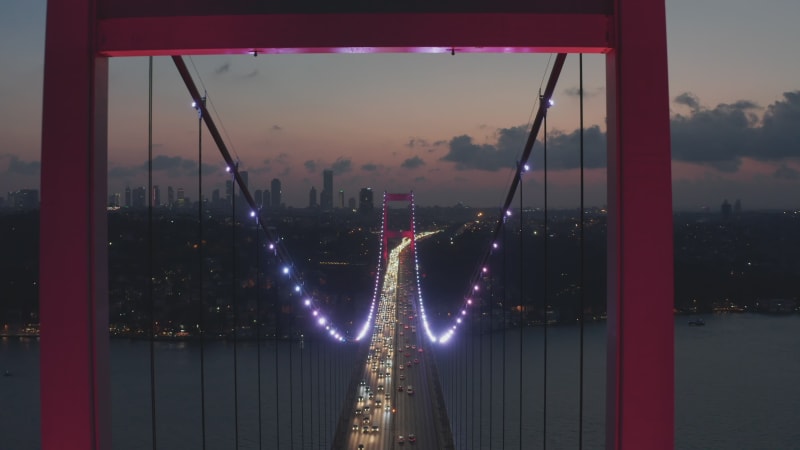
column 351, row 203
column 114, row 200
column 258, row 196
column 275, row 187
column 155, row 200
column 128, row 203
column 170, row 196
column 326, row 198
column 341, row 198
column 24, row 199
column 139, row 197
column 365, row 200
column 215, row 197
column 312, row 197
column 265, row 199
column 228, row 191
column 726, row 209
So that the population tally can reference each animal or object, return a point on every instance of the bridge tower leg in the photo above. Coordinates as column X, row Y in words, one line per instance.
column 640, row 371
column 73, row 249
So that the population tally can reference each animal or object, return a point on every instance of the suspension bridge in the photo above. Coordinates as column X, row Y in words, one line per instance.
column 82, row 35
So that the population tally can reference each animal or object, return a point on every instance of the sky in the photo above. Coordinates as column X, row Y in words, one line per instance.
column 448, row 127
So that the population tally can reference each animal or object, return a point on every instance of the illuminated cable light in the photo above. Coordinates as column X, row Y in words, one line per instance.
column 307, row 302
column 508, row 213
column 228, row 169
column 297, row 288
column 469, row 301
column 286, row 270
column 321, row 321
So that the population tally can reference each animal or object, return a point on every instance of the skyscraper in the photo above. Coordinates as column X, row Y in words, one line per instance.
column 170, row 196
column 312, row 197
column 139, row 197
column 326, row 198
column 341, row 198
column 128, row 203
column 258, row 197
column 275, row 187
column 155, row 199
column 266, row 200
column 365, row 200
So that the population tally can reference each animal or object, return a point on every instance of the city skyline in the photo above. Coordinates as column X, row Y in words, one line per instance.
column 449, row 127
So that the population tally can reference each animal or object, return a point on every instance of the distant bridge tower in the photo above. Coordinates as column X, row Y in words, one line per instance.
column 386, row 232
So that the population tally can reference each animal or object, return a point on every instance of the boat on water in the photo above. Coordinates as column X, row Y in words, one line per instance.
column 698, row 322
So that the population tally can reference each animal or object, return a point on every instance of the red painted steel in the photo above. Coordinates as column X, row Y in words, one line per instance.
column 391, row 234
column 355, row 33
column 73, row 267
column 640, row 390
column 73, row 271
column 154, row 8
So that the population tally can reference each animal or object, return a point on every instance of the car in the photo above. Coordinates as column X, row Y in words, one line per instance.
column 410, row 390
column 401, row 440
column 360, row 398
column 408, row 364
column 360, row 446
column 419, row 349
column 365, row 429
column 363, row 382
column 358, row 412
column 412, row 437
column 378, row 403
column 365, row 420
column 399, row 389
column 355, row 427
column 375, row 429
column 416, row 361
column 380, row 387
column 402, row 377
column 366, row 410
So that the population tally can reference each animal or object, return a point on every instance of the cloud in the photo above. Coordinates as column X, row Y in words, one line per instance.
column 369, row 167
column 780, row 133
column 467, row 155
column 784, row 172
column 417, row 142
column 276, row 128
column 688, row 99
column 19, row 167
column 342, row 165
column 576, row 92
column 718, row 137
column 170, row 164
column 310, row 165
column 223, row 68
column 412, row 163
column 122, row 172
column 419, row 179
column 563, row 149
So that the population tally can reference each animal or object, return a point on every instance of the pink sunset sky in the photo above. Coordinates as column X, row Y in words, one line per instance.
column 449, row 127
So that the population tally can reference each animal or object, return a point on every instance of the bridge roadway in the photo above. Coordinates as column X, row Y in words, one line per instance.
column 399, row 356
